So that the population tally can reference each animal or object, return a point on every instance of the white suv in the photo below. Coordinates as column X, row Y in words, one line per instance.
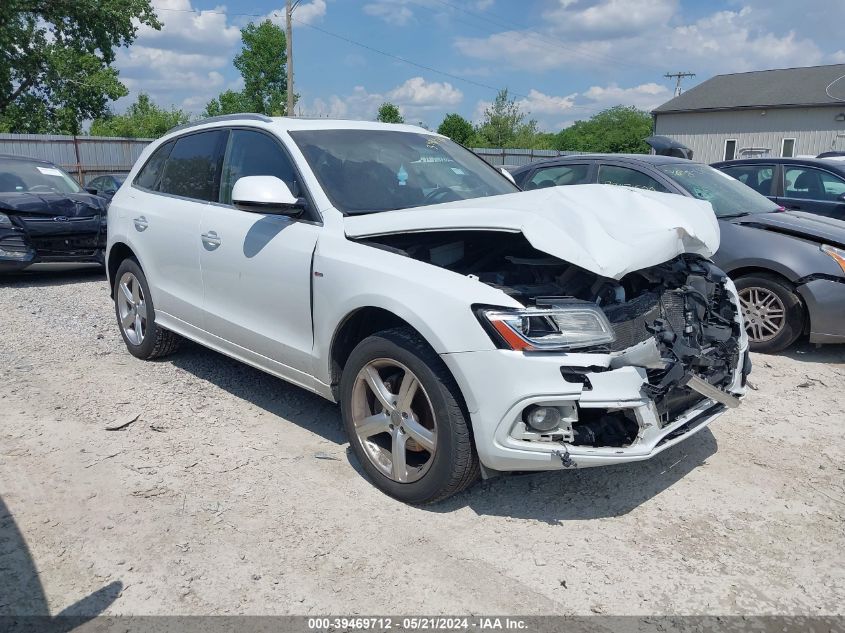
column 465, row 327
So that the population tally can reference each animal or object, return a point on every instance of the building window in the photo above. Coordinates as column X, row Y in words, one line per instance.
column 730, row 149
column 787, row 148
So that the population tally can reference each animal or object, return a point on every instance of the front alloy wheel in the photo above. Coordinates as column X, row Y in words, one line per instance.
column 771, row 310
column 405, row 418
column 394, row 420
column 763, row 312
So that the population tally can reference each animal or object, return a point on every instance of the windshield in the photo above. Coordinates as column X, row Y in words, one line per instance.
column 366, row 171
column 19, row 176
column 728, row 196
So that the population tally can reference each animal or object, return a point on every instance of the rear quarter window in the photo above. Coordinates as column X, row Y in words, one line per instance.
column 150, row 172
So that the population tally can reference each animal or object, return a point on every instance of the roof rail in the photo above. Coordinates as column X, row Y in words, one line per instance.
column 223, row 117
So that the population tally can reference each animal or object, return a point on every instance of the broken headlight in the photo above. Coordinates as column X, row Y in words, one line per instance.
column 837, row 254
column 559, row 327
column 5, row 222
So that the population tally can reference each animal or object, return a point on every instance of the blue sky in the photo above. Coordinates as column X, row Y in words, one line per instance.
column 562, row 59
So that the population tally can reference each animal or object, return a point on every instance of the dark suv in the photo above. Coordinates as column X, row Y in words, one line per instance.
column 45, row 216
column 813, row 185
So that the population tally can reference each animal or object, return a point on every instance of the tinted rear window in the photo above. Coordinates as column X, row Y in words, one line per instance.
column 193, row 168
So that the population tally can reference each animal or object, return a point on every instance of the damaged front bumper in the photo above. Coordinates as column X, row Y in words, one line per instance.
column 511, row 382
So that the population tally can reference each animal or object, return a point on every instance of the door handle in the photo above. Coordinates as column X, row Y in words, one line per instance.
column 211, row 240
column 141, row 223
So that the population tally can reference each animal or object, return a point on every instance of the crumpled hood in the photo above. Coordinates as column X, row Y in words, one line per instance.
column 606, row 229
column 71, row 205
column 816, row 227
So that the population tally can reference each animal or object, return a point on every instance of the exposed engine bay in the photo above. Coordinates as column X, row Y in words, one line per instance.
column 676, row 320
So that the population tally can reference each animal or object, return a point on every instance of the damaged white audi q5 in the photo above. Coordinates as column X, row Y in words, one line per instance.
column 465, row 327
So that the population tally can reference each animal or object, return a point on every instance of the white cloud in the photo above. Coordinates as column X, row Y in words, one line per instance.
column 417, row 91
column 183, row 63
column 609, row 18
column 610, row 36
column 416, row 98
column 311, row 12
column 645, row 96
column 391, row 12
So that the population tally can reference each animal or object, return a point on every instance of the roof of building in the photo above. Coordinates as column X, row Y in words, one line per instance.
column 783, row 87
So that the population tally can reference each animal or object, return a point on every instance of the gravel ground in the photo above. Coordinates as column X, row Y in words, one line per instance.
column 235, row 493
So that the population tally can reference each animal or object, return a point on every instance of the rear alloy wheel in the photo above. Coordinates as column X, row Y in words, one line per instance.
column 133, row 307
column 772, row 312
column 405, row 418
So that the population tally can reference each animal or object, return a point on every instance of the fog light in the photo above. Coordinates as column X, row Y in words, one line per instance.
column 542, row 418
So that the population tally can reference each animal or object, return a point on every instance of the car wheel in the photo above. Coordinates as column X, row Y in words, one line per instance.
column 405, row 418
column 133, row 306
column 772, row 312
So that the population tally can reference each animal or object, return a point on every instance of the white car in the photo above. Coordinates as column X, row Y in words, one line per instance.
column 465, row 327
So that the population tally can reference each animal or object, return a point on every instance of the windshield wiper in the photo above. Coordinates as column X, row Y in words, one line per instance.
column 736, row 215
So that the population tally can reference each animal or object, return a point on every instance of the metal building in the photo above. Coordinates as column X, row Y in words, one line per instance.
column 784, row 112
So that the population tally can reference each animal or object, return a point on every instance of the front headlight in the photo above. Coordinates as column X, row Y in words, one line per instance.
column 560, row 327
column 5, row 222
column 837, row 254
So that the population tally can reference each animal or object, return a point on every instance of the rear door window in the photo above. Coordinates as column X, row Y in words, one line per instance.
column 559, row 175
column 627, row 177
column 812, row 184
column 193, row 168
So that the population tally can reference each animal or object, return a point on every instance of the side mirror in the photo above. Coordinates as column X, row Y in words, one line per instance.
column 266, row 194
column 92, row 190
column 507, row 174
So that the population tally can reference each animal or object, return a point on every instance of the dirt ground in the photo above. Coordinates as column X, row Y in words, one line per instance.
column 235, row 493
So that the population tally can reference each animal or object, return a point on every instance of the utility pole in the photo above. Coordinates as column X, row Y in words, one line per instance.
column 291, row 5
column 678, row 77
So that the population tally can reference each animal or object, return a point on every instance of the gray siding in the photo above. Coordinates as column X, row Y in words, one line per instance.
column 815, row 130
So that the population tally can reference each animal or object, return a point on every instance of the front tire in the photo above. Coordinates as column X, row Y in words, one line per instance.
column 772, row 312
column 133, row 306
column 405, row 418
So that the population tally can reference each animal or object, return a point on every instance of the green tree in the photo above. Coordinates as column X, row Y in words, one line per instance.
column 501, row 122
column 617, row 129
column 229, row 102
column 389, row 113
column 262, row 63
column 142, row 119
column 457, row 128
column 56, row 56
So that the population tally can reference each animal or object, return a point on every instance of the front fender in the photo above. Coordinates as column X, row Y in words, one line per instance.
column 348, row 276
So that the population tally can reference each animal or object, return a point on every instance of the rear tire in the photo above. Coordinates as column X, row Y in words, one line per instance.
column 417, row 448
column 772, row 312
column 135, row 312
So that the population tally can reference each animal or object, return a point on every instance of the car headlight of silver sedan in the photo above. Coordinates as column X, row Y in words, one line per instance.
column 558, row 327
column 837, row 254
